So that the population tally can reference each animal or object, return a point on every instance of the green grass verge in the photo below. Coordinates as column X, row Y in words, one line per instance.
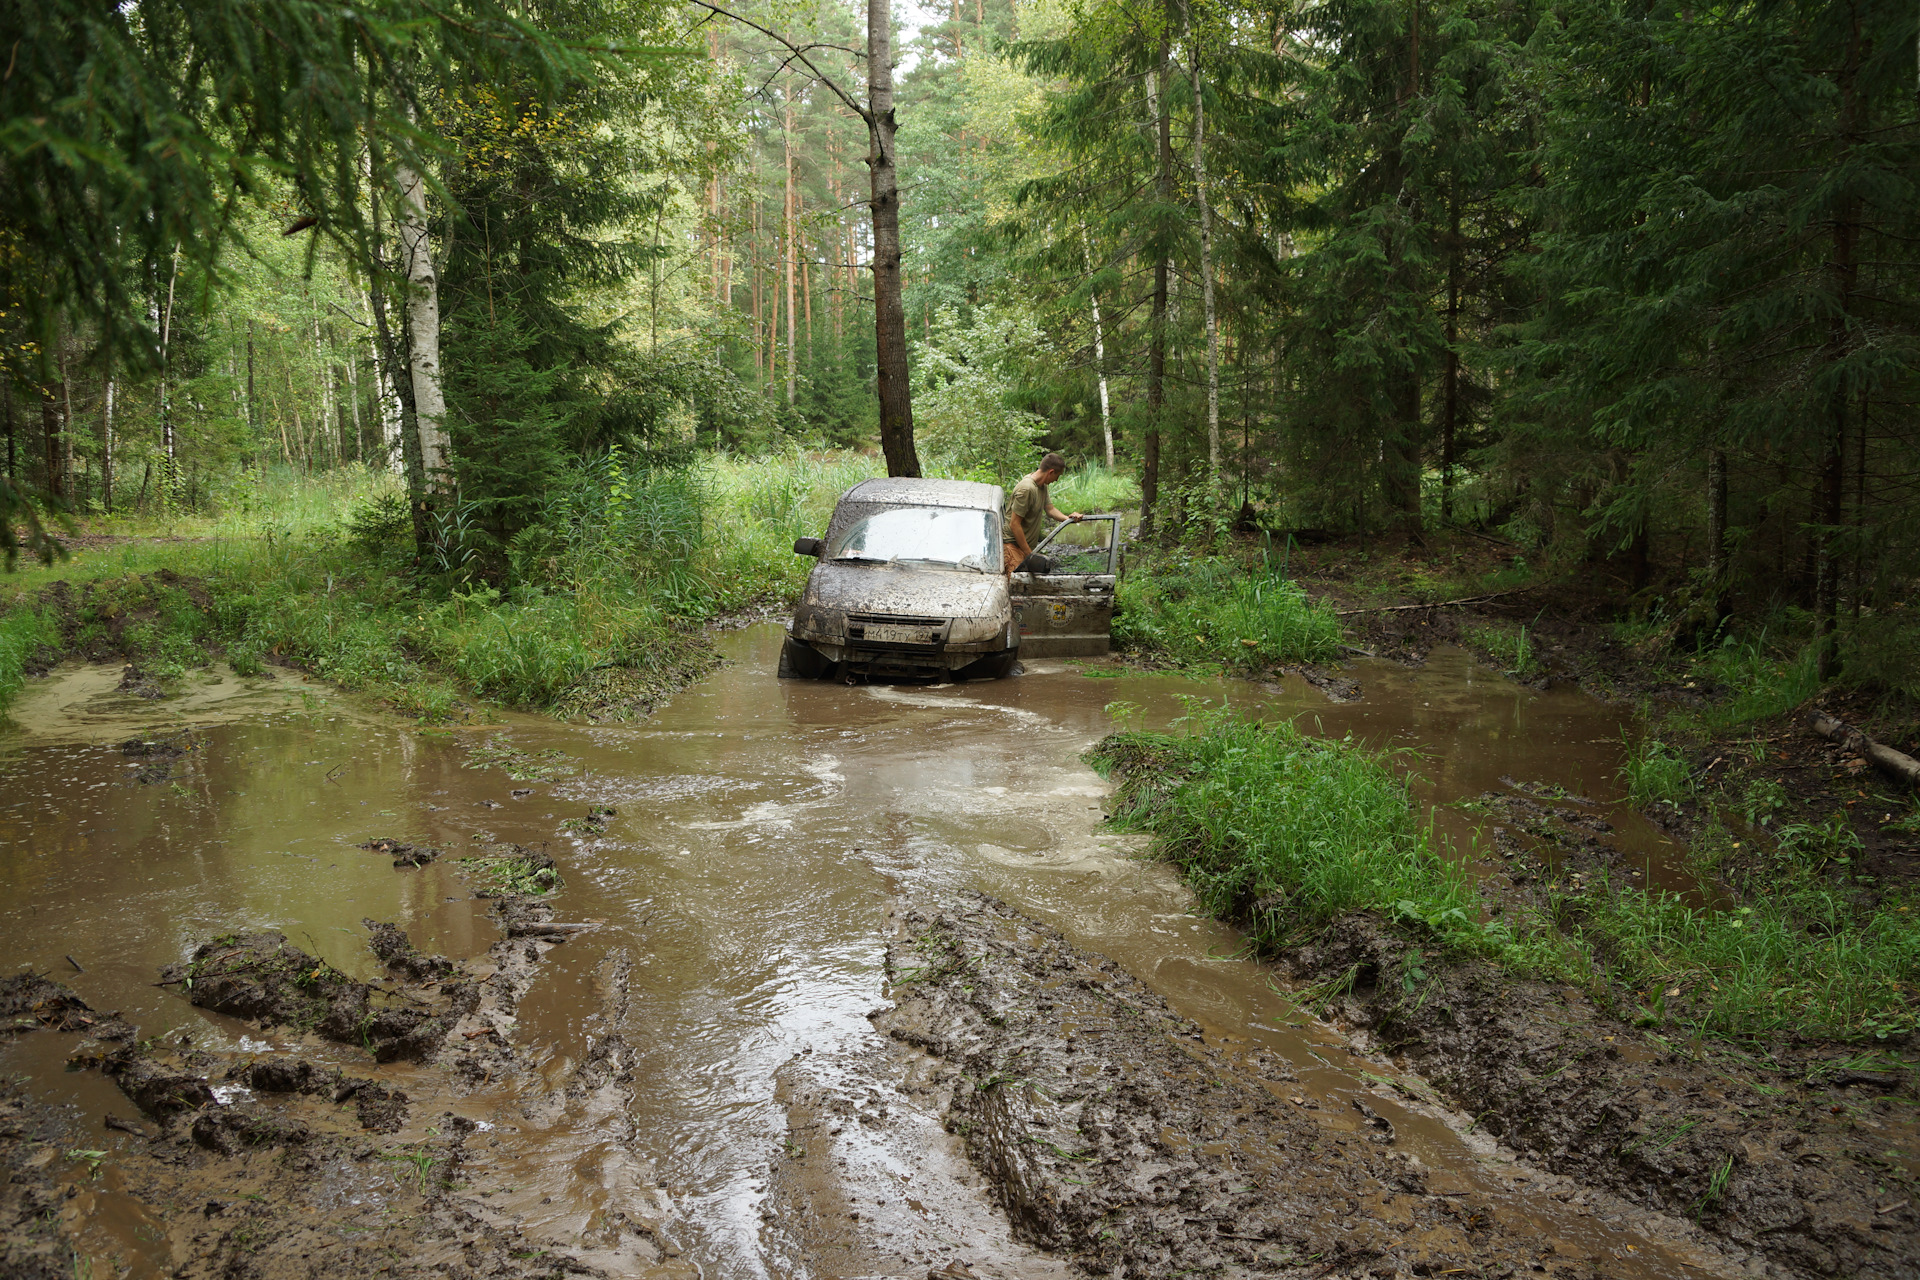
column 23, row 631
column 1222, row 610
column 1283, row 833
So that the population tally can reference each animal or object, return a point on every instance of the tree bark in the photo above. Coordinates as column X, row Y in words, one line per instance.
column 66, row 429
column 1099, row 351
column 793, row 348
column 423, row 333
column 1717, row 534
column 1206, row 273
column 1898, row 763
column 106, row 445
column 1450, row 406
column 889, row 311
column 1843, row 272
column 1157, row 315
column 169, row 472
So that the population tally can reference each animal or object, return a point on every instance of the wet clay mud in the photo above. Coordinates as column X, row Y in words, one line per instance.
column 654, row 966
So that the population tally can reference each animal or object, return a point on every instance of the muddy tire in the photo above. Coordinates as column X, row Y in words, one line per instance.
column 800, row 662
column 995, row 666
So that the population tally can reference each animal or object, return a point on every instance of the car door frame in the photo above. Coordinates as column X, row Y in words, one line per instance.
column 1068, row 615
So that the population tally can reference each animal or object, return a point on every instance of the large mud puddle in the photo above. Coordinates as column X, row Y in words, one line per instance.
column 766, row 835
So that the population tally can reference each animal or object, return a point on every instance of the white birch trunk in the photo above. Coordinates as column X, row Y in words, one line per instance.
column 423, row 330
column 1099, row 353
column 106, row 449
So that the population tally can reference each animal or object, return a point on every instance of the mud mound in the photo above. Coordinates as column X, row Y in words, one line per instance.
column 266, row 980
column 162, row 1090
column 396, row 951
column 231, row 1130
column 28, row 1000
column 1114, row 1134
column 404, row 854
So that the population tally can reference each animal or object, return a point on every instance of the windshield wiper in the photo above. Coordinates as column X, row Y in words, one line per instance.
column 861, row 560
column 945, row 564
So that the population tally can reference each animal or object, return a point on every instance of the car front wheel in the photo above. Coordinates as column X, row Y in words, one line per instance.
column 995, row 666
column 800, row 661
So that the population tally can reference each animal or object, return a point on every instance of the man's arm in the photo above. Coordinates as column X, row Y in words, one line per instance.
column 1058, row 514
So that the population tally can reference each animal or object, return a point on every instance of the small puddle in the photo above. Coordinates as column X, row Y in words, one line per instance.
column 764, row 830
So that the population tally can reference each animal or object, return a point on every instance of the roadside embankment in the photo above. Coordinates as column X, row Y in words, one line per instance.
column 1738, row 1057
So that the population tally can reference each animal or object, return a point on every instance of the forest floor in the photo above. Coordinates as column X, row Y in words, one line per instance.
column 1735, row 715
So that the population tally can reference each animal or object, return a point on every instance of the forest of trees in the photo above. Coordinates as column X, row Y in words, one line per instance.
column 1622, row 282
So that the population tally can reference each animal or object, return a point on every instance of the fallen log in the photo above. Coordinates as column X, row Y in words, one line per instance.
column 1898, row 763
column 1437, row 604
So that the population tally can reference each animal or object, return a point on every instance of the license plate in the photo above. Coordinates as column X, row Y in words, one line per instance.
column 893, row 633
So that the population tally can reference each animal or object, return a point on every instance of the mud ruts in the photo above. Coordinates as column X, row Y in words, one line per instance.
column 1112, row 1131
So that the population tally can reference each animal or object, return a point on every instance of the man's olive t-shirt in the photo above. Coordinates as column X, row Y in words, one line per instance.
column 1029, row 502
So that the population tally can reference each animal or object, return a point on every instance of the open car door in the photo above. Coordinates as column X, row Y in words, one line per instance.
column 1067, row 611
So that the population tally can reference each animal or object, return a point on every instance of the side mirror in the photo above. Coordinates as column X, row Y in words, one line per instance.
column 808, row 546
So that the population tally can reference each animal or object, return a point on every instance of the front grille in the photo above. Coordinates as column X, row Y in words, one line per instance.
column 896, row 619
column 896, row 632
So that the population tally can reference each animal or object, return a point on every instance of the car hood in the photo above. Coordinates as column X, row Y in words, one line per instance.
column 920, row 592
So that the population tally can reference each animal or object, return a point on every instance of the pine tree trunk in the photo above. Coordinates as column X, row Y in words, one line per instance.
column 1717, row 534
column 889, row 311
column 423, row 333
column 1450, row 406
column 66, row 428
column 106, row 444
column 50, row 446
column 6, row 410
column 1157, row 315
column 1844, row 272
column 1206, row 276
column 793, row 348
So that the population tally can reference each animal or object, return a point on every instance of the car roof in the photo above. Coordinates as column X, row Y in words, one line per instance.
column 913, row 491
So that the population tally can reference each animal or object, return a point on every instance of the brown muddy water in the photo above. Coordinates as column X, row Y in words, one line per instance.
column 764, row 830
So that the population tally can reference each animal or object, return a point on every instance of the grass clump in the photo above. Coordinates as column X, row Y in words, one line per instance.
column 1219, row 610
column 1803, row 959
column 1656, row 772
column 1284, row 833
column 1514, row 649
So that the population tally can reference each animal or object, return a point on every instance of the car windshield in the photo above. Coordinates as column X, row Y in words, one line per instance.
column 937, row 535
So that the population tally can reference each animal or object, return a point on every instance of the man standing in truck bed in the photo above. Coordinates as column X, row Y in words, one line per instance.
column 1027, row 510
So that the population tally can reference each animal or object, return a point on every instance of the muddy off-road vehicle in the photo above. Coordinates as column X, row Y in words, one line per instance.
column 909, row 586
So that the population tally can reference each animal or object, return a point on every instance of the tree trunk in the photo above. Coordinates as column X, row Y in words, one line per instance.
column 889, row 310
column 1717, row 534
column 793, row 348
column 1206, row 275
column 1157, row 316
column 1843, row 273
column 1450, row 404
column 66, row 429
column 168, row 470
column 1099, row 351
column 423, row 333
column 106, row 445
column 50, row 441
column 6, row 410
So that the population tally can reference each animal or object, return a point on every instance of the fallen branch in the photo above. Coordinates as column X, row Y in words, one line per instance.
column 1898, row 763
column 1437, row 604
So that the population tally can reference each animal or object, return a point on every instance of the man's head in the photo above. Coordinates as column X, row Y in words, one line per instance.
column 1052, row 467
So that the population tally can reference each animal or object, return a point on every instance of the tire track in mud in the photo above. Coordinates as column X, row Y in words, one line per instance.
column 1111, row 1131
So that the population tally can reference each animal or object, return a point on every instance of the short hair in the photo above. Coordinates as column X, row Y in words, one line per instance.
column 1054, row 462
